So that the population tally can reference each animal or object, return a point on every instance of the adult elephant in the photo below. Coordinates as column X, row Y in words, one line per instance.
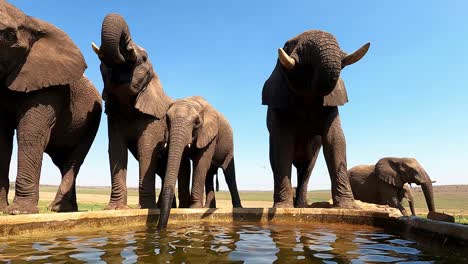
column 136, row 106
column 384, row 182
column 204, row 135
column 53, row 107
column 303, row 94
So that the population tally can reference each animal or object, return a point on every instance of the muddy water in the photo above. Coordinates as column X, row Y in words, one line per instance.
column 230, row 243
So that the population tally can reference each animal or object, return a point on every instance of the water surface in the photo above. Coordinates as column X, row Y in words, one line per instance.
column 229, row 243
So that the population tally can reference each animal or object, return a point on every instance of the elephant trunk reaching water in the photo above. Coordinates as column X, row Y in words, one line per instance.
column 178, row 139
column 428, row 194
column 115, row 32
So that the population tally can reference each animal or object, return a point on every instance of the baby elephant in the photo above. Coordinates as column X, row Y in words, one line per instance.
column 198, row 131
column 384, row 182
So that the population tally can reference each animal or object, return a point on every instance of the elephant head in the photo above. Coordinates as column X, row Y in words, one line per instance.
column 309, row 65
column 192, row 123
column 398, row 171
column 35, row 54
column 127, row 72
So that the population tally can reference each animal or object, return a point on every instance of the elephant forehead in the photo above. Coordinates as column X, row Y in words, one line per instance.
column 179, row 109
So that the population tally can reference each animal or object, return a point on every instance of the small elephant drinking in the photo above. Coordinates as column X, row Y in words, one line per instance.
column 303, row 94
column 203, row 134
column 53, row 107
column 385, row 182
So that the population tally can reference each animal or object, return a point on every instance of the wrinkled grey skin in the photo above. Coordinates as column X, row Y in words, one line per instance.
column 53, row 107
column 303, row 94
column 136, row 106
column 408, row 195
column 198, row 131
column 384, row 183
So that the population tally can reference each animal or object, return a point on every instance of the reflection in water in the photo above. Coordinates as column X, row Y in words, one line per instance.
column 236, row 243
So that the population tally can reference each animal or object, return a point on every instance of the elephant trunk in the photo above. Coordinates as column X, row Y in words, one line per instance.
column 329, row 71
column 115, row 36
column 429, row 195
column 327, row 55
column 177, row 142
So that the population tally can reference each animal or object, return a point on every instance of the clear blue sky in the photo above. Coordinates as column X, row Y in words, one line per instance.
column 408, row 95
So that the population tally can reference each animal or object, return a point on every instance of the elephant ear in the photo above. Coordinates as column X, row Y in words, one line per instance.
column 210, row 125
column 338, row 96
column 152, row 100
column 52, row 60
column 276, row 91
column 385, row 171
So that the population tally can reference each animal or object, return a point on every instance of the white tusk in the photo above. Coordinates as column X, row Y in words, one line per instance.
column 96, row 49
column 288, row 62
column 165, row 145
column 189, row 145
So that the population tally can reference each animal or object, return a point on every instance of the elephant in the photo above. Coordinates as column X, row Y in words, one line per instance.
column 136, row 106
column 303, row 94
column 384, row 182
column 200, row 132
column 53, row 107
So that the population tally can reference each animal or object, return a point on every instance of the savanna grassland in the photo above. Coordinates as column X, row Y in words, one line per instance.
column 451, row 199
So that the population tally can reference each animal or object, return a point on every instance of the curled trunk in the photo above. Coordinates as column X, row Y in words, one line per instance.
column 176, row 148
column 115, row 36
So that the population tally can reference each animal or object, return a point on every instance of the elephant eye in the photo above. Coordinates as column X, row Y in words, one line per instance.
column 197, row 123
column 9, row 36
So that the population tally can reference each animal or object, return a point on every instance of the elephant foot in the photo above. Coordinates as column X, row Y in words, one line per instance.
column 184, row 204
column 196, row 205
column 147, row 206
column 300, row 204
column 283, row 205
column 237, row 205
column 63, row 204
column 346, row 204
column 117, row 206
column 3, row 206
column 21, row 208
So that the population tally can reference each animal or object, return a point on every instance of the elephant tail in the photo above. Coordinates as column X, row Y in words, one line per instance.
column 217, row 183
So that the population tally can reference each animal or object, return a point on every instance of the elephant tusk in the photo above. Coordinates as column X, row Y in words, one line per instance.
column 189, row 145
column 96, row 49
column 287, row 62
column 165, row 145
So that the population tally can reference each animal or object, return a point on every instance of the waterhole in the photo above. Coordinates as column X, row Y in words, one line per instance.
column 227, row 243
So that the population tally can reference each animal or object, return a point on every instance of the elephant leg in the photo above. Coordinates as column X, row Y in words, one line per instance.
column 33, row 135
column 230, row 176
column 334, row 150
column 65, row 199
column 209, row 188
column 201, row 165
column 118, row 158
column 304, row 170
column 6, row 147
column 161, row 171
column 392, row 196
column 281, row 156
column 184, row 182
column 147, row 157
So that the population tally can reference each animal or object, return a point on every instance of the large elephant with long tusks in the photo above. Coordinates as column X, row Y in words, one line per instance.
column 53, row 107
column 385, row 182
column 303, row 94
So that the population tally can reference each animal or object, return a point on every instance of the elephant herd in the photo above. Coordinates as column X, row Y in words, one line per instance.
column 55, row 109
